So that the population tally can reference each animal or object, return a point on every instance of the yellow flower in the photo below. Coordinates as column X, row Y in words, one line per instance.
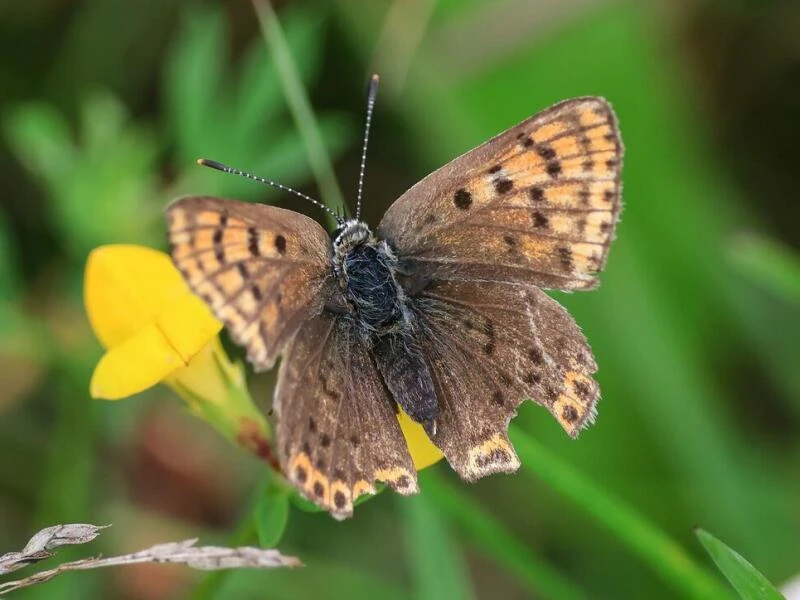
column 156, row 331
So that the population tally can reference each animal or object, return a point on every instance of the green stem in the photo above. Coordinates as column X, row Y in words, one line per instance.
column 300, row 107
column 663, row 554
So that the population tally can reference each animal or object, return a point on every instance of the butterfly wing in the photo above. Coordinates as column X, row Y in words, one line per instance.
column 339, row 431
column 537, row 204
column 490, row 345
column 263, row 270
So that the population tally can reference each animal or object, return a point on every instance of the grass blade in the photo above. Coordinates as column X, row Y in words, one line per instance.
column 744, row 577
column 300, row 107
column 438, row 567
column 654, row 547
column 769, row 264
column 492, row 539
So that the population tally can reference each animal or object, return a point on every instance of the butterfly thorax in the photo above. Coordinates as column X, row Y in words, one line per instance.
column 366, row 269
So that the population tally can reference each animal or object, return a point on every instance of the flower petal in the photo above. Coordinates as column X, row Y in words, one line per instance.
column 188, row 325
column 136, row 364
column 423, row 452
column 157, row 350
column 125, row 288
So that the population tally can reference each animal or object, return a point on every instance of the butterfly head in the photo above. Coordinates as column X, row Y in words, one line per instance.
column 348, row 235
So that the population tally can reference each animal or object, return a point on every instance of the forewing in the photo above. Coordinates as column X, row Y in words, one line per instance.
column 337, row 427
column 536, row 205
column 263, row 270
column 491, row 345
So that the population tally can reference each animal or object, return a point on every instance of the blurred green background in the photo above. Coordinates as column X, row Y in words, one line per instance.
column 105, row 104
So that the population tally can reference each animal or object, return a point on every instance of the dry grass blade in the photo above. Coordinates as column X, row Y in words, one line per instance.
column 206, row 558
column 39, row 546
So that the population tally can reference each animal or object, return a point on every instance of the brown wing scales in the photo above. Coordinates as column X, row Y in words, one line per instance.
column 542, row 200
column 261, row 269
column 337, row 428
column 491, row 345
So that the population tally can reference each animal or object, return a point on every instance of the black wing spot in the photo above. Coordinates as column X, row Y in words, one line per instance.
column 540, row 220
column 312, row 425
column 256, row 291
column 324, row 440
column 537, row 194
column 280, row 244
column 252, row 244
column 554, row 168
column 587, row 165
column 218, row 236
column 300, row 474
column 242, row 268
column 582, row 390
column 608, row 195
column 498, row 399
column 565, row 256
column 545, row 151
column 319, row 490
column 495, row 169
column 569, row 414
column 527, row 142
column 495, row 456
column 532, row 378
column 462, row 199
column 339, row 499
column 535, row 356
column 503, row 185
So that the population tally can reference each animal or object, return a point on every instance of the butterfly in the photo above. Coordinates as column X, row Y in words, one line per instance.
column 439, row 311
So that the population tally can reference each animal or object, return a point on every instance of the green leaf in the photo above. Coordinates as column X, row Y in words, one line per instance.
column 744, row 577
column 107, row 171
column 438, row 567
column 491, row 538
column 272, row 515
column 193, row 79
column 239, row 116
column 260, row 96
column 303, row 504
column 769, row 264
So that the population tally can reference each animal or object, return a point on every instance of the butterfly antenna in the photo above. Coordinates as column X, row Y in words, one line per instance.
column 226, row 169
column 373, row 91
